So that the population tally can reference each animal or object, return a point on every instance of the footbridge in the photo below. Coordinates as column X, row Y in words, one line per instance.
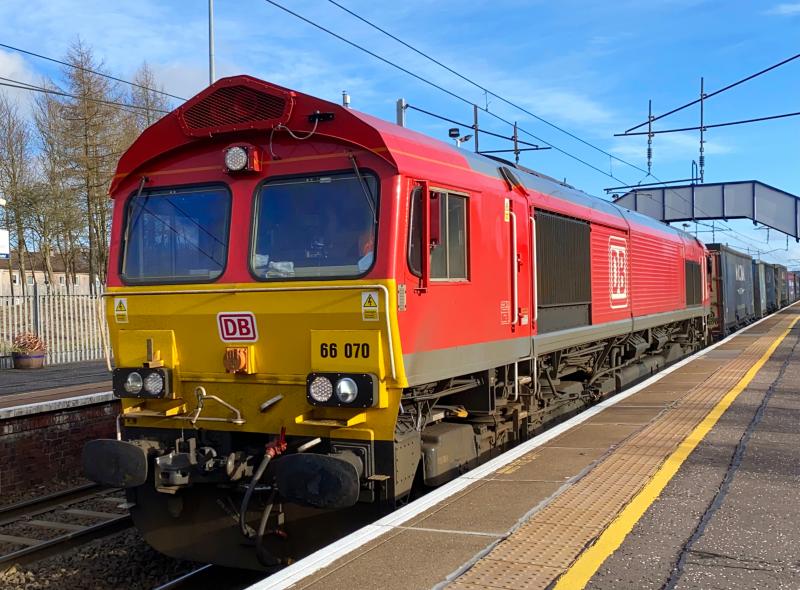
column 749, row 199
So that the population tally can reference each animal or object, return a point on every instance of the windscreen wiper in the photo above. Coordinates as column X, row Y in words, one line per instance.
column 365, row 188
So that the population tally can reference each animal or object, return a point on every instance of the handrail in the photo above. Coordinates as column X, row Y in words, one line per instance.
column 534, row 269
column 359, row 287
column 514, row 268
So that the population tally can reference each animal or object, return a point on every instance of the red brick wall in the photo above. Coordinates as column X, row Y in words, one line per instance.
column 38, row 448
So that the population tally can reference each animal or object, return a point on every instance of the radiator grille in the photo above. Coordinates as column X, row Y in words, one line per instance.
column 231, row 106
column 694, row 294
column 562, row 260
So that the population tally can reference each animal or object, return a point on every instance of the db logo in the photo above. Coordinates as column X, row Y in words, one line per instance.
column 618, row 271
column 239, row 326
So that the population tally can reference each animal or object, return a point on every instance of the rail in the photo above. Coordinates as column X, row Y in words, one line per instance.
column 186, row 580
column 213, row 576
column 74, row 534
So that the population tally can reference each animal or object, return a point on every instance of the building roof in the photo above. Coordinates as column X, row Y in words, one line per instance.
column 35, row 261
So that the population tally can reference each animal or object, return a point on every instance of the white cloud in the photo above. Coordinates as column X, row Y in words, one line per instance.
column 787, row 9
column 14, row 67
column 565, row 105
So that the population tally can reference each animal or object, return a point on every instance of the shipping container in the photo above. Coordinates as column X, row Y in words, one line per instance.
column 732, row 301
column 790, row 287
column 771, row 288
column 796, row 285
column 781, row 284
column 760, row 289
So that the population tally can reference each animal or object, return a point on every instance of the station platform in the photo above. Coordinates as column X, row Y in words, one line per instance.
column 53, row 383
column 691, row 479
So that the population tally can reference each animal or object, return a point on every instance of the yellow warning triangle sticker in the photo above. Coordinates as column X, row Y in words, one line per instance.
column 370, row 302
column 120, row 306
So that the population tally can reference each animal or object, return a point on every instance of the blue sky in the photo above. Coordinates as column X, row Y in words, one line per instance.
column 589, row 67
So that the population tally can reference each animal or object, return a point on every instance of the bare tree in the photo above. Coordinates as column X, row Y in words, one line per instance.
column 95, row 138
column 57, row 216
column 148, row 95
column 57, row 188
column 16, row 176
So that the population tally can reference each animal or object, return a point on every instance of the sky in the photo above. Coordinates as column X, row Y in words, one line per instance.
column 588, row 67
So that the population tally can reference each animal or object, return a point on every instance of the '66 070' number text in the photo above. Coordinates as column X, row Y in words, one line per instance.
column 351, row 350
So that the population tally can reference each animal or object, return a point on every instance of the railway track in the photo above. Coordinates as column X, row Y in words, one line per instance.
column 51, row 514
column 210, row 575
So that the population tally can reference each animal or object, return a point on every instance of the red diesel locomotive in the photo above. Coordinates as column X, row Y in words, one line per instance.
column 315, row 312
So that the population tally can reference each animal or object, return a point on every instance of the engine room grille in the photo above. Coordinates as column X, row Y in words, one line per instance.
column 231, row 106
column 562, row 260
column 694, row 292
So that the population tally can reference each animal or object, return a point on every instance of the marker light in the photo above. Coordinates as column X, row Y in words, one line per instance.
column 236, row 158
column 321, row 389
column 154, row 383
column 346, row 390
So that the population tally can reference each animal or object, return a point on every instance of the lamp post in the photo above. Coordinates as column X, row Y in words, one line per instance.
column 211, row 69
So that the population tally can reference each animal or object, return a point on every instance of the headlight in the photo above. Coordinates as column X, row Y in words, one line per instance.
column 153, row 383
column 133, row 384
column 142, row 382
column 342, row 390
column 236, row 158
column 320, row 389
column 346, row 390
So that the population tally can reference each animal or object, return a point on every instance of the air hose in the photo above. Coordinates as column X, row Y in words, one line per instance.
column 264, row 557
column 247, row 531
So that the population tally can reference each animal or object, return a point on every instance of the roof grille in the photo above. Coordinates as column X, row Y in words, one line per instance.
column 233, row 108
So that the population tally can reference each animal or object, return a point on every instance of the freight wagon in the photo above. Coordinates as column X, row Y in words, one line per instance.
column 759, row 288
column 732, row 291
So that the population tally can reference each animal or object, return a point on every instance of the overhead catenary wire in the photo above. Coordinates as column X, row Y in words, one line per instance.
column 438, row 87
column 90, row 71
column 467, row 101
column 512, row 104
column 557, row 127
column 485, row 89
column 716, row 92
column 711, row 125
column 11, row 83
column 460, row 124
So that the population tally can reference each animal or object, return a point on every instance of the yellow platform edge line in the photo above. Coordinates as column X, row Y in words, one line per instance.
column 588, row 562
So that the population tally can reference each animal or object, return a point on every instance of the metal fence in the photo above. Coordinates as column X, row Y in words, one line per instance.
column 73, row 326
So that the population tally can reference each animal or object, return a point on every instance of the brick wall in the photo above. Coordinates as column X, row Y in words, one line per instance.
column 38, row 448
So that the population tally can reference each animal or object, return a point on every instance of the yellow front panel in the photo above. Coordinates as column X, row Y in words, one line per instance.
column 293, row 321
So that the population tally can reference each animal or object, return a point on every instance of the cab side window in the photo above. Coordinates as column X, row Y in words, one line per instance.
column 448, row 257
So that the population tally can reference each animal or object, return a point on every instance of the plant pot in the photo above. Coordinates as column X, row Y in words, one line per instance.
column 33, row 360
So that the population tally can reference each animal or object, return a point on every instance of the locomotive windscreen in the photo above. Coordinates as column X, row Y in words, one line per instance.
column 315, row 226
column 174, row 236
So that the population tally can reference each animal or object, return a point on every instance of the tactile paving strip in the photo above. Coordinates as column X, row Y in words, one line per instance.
column 549, row 542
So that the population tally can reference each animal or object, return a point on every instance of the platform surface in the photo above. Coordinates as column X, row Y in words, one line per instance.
column 53, row 382
column 691, row 482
